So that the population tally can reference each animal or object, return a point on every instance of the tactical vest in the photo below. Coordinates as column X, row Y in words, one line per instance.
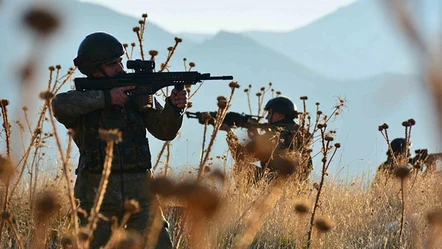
column 130, row 155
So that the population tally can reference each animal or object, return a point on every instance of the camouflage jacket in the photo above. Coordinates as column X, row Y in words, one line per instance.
column 85, row 113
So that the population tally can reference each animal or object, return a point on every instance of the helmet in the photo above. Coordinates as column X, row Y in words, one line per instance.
column 282, row 105
column 95, row 49
column 399, row 145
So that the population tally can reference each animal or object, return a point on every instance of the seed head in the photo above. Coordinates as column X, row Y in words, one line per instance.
column 58, row 67
column 136, row 29
column 192, row 64
column 125, row 45
column 259, row 94
column 402, row 172
column 162, row 186
column 384, row 126
column 141, row 22
column 222, row 102
column 317, row 103
column 46, row 95
column 246, row 90
column 324, row 224
column 133, row 44
column 270, row 84
column 278, row 92
column 435, row 217
column 169, row 48
column 178, row 40
column 51, row 68
column 263, row 89
column 234, row 84
column 337, row 145
column 132, row 206
column 302, row 207
column 144, row 15
column 411, row 121
column 113, row 135
column 320, row 126
column 153, row 52
column 184, row 59
column 46, row 204
column 406, row 123
column 303, row 97
column 67, row 241
column 189, row 104
column 4, row 102
column 41, row 20
column 328, row 137
column 5, row 215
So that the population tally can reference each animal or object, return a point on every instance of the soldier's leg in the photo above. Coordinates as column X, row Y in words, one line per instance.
column 102, row 232
column 140, row 223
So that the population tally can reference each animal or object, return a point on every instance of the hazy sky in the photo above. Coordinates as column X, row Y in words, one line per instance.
column 211, row 16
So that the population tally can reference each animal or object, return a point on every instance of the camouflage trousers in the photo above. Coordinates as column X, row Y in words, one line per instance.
column 121, row 187
column 137, row 224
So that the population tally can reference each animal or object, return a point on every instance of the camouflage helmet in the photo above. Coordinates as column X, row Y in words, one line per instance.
column 282, row 105
column 95, row 49
column 399, row 145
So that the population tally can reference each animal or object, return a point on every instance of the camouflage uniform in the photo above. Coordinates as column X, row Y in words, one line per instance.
column 85, row 113
column 286, row 139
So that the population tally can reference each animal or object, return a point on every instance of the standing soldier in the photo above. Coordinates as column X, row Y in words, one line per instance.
column 284, row 139
column 99, row 56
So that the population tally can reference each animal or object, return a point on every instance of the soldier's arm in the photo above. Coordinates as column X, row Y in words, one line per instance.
column 163, row 123
column 69, row 106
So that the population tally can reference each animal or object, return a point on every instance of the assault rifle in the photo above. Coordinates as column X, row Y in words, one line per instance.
column 232, row 119
column 422, row 158
column 145, row 80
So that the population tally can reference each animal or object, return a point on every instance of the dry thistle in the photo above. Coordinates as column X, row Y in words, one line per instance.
column 328, row 137
column 5, row 215
column 189, row 105
column 285, row 166
column 304, row 98
column 41, row 20
column 192, row 64
column 125, row 45
column 337, row 145
column 110, row 135
column 169, row 49
column 206, row 117
column 435, row 217
column 153, row 52
column 136, row 29
column 199, row 198
column 51, row 68
column 234, row 84
column 258, row 94
column 133, row 44
column 402, row 172
column 302, row 207
column 262, row 89
column 406, row 123
column 162, row 186
column 58, row 67
column 324, row 224
column 46, row 204
column 141, row 22
column 278, row 92
column 132, row 206
column 46, row 95
column 67, row 241
column 246, row 90
column 144, row 15
column 222, row 102
column 178, row 40
column 412, row 122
